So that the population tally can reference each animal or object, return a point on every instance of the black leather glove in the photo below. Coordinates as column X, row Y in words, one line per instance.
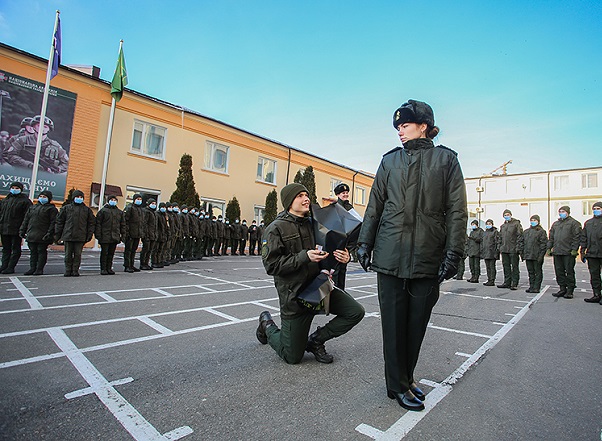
column 449, row 266
column 364, row 255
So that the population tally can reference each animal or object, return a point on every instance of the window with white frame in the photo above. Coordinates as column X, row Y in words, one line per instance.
column 587, row 208
column 216, row 157
column 266, row 170
column 333, row 183
column 360, row 196
column 148, row 140
column 589, row 180
column 258, row 213
column 215, row 207
column 561, row 182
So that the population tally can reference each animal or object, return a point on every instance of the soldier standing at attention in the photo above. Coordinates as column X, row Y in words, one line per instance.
column 38, row 229
column 252, row 238
column 511, row 244
column 110, row 230
column 490, row 251
column 149, row 241
column 12, row 212
column 134, row 231
column 564, row 241
column 244, row 235
column 591, row 251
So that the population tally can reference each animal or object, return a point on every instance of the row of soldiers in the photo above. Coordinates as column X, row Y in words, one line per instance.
column 169, row 233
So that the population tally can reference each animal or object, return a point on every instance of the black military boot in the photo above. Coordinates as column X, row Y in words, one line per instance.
column 316, row 347
column 595, row 299
column 569, row 293
column 265, row 320
column 560, row 293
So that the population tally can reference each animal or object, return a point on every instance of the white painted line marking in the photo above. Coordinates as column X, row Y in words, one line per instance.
column 498, row 323
column 463, row 354
column 107, row 297
column 242, row 269
column 517, row 307
column 511, row 315
column 163, row 293
column 265, row 305
column 221, row 314
column 26, row 293
column 409, row 420
column 89, row 390
column 457, row 331
column 429, row 383
column 500, row 299
column 122, row 410
column 156, row 326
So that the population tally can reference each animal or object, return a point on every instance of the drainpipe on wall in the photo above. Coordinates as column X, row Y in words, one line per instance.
column 288, row 165
column 549, row 202
column 353, row 185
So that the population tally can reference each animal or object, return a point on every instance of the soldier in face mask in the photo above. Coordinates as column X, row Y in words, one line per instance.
column 244, row 235
column 252, row 238
column 110, row 230
column 149, row 241
column 511, row 245
column 75, row 226
column 12, row 212
column 38, row 229
column 564, row 241
column 134, row 231
column 591, row 251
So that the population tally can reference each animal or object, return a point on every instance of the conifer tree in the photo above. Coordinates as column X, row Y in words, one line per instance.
column 298, row 177
column 271, row 207
column 233, row 210
column 185, row 193
column 309, row 180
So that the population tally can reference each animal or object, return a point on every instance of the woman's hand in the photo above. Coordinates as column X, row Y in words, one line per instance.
column 317, row 256
column 342, row 256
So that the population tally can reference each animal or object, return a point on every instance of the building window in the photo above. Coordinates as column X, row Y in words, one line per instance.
column 266, row 170
column 146, row 194
column 216, row 157
column 561, row 182
column 259, row 213
column 360, row 196
column 214, row 207
column 148, row 140
column 587, row 208
column 589, row 180
column 333, row 184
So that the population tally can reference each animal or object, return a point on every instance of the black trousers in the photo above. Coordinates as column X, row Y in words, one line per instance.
column 511, row 269
column 535, row 269
column 475, row 267
column 491, row 271
column 107, row 252
column 252, row 246
column 564, row 266
column 339, row 275
column 38, row 255
column 11, row 251
column 129, row 253
column 147, row 251
column 290, row 341
column 593, row 265
column 241, row 245
column 461, row 268
column 157, row 253
column 73, row 256
column 405, row 309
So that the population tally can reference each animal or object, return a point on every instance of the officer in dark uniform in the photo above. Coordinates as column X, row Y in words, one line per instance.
column 244, row 235
column 535, row 241
column 252, row 238
column 134, row 231
column 38, row 229
column 159, row 257
column 109, row 231
column 219, row 240
column 413, row 236
column 474, row 251
column 511, row 245
column 12, row 212
column 149, row 241
column 236, row 236
column 289, row 254
column 591, row 251
column 227, row 237
column 564, row 242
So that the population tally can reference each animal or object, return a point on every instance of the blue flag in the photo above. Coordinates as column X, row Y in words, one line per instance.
column 56, row 43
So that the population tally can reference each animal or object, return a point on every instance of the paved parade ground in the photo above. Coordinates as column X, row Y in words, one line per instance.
column 172, row 354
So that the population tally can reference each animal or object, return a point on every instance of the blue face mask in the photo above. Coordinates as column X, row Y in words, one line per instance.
column 153, row 206
column 113, row 203
column 170, row 209
column 473, row 227
column 78, row 200
column 184, row 211
column 597, row 213
column 15, row 191
column 162, row 210
column 534, row 223
column 507, row 217
column 176, row 209
column 488, row 227
column 562, row 215
column 138, row 202
column 43, row 200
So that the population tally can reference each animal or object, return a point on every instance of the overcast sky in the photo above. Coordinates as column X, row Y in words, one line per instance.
column 509, row 80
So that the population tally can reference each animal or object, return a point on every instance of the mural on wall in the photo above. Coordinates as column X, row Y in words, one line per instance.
column 20, row 106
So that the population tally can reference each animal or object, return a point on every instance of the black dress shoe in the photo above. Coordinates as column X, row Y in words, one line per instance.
column 489, row 283
column 529, row 290
column 513, row 288
column 417, row 392
column 407, row 400
column 594, row 299
column 111, row 272
column 316, row 347
column 265, row 320
column 503, row 285
column 29, row 272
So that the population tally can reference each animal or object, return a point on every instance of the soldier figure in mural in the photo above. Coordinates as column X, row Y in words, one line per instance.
column 21, row 150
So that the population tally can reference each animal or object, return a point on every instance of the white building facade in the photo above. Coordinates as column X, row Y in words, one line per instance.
column 540, row 193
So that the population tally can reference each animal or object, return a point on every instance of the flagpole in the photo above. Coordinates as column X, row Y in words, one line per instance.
column 36, row 160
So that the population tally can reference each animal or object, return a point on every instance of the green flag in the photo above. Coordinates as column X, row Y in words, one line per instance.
column 120, row 79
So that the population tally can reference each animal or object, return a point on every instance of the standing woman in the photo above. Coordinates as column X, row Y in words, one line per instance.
column 38, row 229
column 413, row 236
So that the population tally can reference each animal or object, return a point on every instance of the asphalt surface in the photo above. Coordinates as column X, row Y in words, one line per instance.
column 172, row 354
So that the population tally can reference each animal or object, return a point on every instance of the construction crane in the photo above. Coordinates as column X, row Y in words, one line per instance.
column 503, row 167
